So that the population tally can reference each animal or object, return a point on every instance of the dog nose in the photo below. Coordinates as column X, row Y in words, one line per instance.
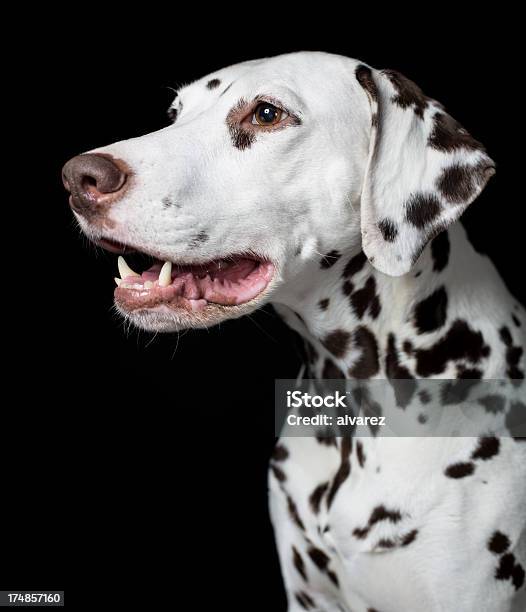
column 92, row 179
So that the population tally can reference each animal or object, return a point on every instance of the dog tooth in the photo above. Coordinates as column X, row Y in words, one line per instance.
column 148, row 285
column 124, row 268
column 118, row 281
column 165, row 275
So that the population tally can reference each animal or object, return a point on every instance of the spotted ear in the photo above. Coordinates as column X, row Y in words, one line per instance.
column 424, row 169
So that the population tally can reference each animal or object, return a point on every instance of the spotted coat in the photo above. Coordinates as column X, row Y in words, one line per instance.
column 392, row 524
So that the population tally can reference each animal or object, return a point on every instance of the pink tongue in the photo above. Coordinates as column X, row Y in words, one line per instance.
column 236, row 284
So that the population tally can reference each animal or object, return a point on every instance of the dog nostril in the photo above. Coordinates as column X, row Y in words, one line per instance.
column 89, row 181
column 91, row 176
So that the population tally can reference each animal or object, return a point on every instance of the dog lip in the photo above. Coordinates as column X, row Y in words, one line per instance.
column 114, row 246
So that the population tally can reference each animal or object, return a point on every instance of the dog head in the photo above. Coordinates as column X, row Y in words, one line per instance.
column 267, row 165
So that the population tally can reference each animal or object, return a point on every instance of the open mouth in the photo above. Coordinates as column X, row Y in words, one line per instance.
column 229, row 281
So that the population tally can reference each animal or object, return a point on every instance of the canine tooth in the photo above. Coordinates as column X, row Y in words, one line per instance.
column 148, row 285
column 124, row 268
column 117, row 280
column 165, row 275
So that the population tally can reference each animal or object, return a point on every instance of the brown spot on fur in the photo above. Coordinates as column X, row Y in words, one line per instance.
column 448, row 135
column 280, row 453
column 355, row 264
column 440, row 248
column 317, row 495
column 299, row 564
column 167, row 202
column 459, row 183
column 321, row 561
column 421, row 209
column 366, row 299
column 513, row 355
column 360, row 453
column 278, row 473
column 430, row 313
column 198, row 239
column 460, row 342
column 305, row 601
column 388, row 230
column 488, row 447
column 404, row 391
column 348, row 288
column 380, row 513
column 343, row 471
column 242, row 138
column 506, row 566
column 408, row 93
column 367, row 364
column 333, row 577
column 493, row 403
column 324, row 304
column 294, row 514
column 499, row 543
column 337, row 342
column 409, row 538
column 408, row 348
column 517, row 576
column 460, row 470
column 318, row 557
column 213, row 84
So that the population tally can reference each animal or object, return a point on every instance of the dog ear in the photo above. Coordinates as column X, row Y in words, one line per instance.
column 423, row 171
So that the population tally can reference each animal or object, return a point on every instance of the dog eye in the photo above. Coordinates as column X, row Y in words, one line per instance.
column 268, row 114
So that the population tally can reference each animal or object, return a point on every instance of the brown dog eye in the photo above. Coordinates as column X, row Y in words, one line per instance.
column 267, row 114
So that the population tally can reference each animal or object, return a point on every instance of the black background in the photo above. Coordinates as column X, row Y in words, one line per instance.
column 108, row 480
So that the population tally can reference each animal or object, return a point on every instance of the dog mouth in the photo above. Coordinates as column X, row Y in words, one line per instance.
column 232, row 280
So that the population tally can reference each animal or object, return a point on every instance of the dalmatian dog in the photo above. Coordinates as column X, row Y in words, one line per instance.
column 332, row 190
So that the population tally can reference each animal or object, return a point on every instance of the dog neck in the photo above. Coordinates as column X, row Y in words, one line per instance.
column 360, row 323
